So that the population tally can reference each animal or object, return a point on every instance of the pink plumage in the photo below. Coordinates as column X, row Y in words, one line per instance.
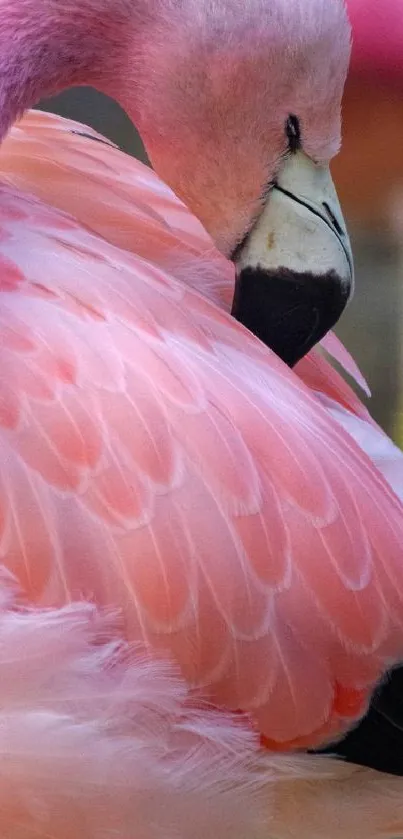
column 160, row 462
column 147, row 442
column 97, row 739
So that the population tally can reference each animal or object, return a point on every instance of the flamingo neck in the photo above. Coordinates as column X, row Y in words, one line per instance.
column 49, row 45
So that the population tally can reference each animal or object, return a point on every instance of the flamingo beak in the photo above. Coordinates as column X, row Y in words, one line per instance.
column 294, row 269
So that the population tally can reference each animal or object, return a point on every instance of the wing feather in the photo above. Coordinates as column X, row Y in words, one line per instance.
column 159, row 459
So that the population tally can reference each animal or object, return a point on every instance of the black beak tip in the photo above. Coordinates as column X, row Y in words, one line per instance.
column 290, row 312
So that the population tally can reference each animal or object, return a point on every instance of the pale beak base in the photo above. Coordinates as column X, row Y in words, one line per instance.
column 295, row 268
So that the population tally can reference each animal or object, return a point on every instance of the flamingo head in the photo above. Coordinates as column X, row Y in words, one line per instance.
column 240, row 115
column 238, row 104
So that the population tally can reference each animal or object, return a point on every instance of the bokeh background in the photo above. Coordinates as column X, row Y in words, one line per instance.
column 369, row 176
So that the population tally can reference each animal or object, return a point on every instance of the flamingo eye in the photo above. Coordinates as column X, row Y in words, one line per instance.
column 293, row 132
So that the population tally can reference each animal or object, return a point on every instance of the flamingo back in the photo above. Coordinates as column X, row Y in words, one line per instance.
column 159, row 459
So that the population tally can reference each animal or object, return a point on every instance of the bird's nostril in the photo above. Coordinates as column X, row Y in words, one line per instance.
column 333, row 219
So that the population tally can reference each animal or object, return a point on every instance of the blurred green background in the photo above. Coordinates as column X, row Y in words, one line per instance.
column 369, row 177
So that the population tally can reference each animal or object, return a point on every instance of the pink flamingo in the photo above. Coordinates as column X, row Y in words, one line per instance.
column 160, row 461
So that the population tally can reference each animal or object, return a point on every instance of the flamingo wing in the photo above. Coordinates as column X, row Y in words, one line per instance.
column 127, row 204
column 158, row 458
column 77, row 170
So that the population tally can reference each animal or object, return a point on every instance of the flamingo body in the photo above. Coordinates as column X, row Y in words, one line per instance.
column 158, row 458
column 188, row 527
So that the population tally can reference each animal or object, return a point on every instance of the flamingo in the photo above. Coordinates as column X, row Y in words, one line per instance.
column 202, row 574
